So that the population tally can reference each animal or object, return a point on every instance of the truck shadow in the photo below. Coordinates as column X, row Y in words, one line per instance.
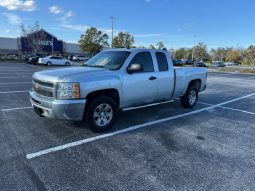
column 131, row 118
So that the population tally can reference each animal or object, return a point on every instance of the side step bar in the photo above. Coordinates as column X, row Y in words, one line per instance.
column 149, row 105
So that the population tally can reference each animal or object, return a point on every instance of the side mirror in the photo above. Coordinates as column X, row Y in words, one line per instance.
column 134, row 68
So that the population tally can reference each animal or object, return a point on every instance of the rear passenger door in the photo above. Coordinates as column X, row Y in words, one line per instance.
column 140, row 88
column 58, row 61
column 54, row 60
column 62, row 61
column 165, row 77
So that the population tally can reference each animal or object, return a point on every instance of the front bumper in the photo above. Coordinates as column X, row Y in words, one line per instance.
column 59, row 109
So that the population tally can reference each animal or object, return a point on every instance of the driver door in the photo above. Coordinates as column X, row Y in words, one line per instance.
column 140, row 88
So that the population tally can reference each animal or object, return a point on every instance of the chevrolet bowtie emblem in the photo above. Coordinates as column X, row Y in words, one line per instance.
column 36, row 86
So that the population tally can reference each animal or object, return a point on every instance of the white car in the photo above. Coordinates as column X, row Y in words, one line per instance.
column 54, row 60
column 80, row 58
column 230, row 63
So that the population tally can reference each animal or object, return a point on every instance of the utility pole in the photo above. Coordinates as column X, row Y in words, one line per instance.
column 193, row 47
column 113, row 18
column 52, row 48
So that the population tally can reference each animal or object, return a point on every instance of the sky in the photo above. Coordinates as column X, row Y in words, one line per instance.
column 176, row 23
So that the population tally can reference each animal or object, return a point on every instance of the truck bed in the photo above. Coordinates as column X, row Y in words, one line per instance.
column 186, row 74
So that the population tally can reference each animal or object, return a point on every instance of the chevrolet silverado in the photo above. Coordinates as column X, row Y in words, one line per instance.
column 113, row 80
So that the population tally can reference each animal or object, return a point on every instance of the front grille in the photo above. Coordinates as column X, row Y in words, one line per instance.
column 43, row 92
column 46, row 84
column 44, row 89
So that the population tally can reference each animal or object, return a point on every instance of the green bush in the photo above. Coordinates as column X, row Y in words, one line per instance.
column 248, row 70
column 241, row 70
column 248, row 62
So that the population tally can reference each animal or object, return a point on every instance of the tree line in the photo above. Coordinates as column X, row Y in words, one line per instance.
column 93, row 40
column 225, row 54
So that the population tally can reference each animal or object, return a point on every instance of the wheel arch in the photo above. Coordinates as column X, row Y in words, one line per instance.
column 112, row 93
column 196, row 83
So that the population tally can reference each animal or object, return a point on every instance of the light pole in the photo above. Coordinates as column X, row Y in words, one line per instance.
column 195, row 36
column 113, row 18
column 52, row 48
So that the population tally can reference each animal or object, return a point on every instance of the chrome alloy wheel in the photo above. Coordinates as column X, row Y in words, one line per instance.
column 103, row 114
column 192, row 97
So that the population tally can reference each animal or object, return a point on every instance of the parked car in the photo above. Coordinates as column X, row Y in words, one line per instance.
column 218, row 64
column 189, row 62
column 230, row 64
column 80, row 58
column 35, row 59
column 199, row 64
column 54, row 60
column 112, row 80
column 27, row 56
column 178, row 62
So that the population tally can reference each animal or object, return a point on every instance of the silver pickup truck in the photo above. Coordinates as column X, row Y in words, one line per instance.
column 114, row 80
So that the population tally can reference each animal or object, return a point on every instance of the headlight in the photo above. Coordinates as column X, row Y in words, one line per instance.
column 68, row 91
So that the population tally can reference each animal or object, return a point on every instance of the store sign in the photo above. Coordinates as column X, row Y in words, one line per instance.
column 41, row 41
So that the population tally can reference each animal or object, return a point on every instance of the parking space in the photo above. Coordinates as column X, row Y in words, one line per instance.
column 247, row 104
column 7, row 88
column 164, row 147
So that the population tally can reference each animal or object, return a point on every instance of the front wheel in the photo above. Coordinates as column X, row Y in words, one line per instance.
column 101, row 113
column 190, row 98
column 67, row 63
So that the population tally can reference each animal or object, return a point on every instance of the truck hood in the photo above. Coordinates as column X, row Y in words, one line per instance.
column 59, row 75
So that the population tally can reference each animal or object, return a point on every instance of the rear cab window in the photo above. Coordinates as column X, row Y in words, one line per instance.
column 162, row 61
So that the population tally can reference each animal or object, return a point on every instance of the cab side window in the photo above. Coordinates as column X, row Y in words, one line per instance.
column 162, row 61
column 145, row 59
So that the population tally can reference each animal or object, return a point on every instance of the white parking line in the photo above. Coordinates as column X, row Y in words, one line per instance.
column 15, row 83
column 10, row 67
column 19, row 71
column 15, row 77
column 18, row 108
column 10, row 92
column 91, row 139
column 229, row 108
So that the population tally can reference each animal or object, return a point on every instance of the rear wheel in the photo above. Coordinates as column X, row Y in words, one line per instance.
column 49, row 63
column 189, row 100
column 101, row 113
column 67, row 63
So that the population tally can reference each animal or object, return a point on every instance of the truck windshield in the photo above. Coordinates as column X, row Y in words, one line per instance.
column 112, row 60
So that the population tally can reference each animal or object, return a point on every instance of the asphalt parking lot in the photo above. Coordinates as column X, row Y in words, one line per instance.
column 165, row 147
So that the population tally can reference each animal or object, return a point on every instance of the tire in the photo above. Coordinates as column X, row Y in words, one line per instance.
column 99, row 119
column 49, row 63
column 67, row 63
column 190, row 98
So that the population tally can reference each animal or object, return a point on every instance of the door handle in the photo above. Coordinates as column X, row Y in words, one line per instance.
column 152, row 78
